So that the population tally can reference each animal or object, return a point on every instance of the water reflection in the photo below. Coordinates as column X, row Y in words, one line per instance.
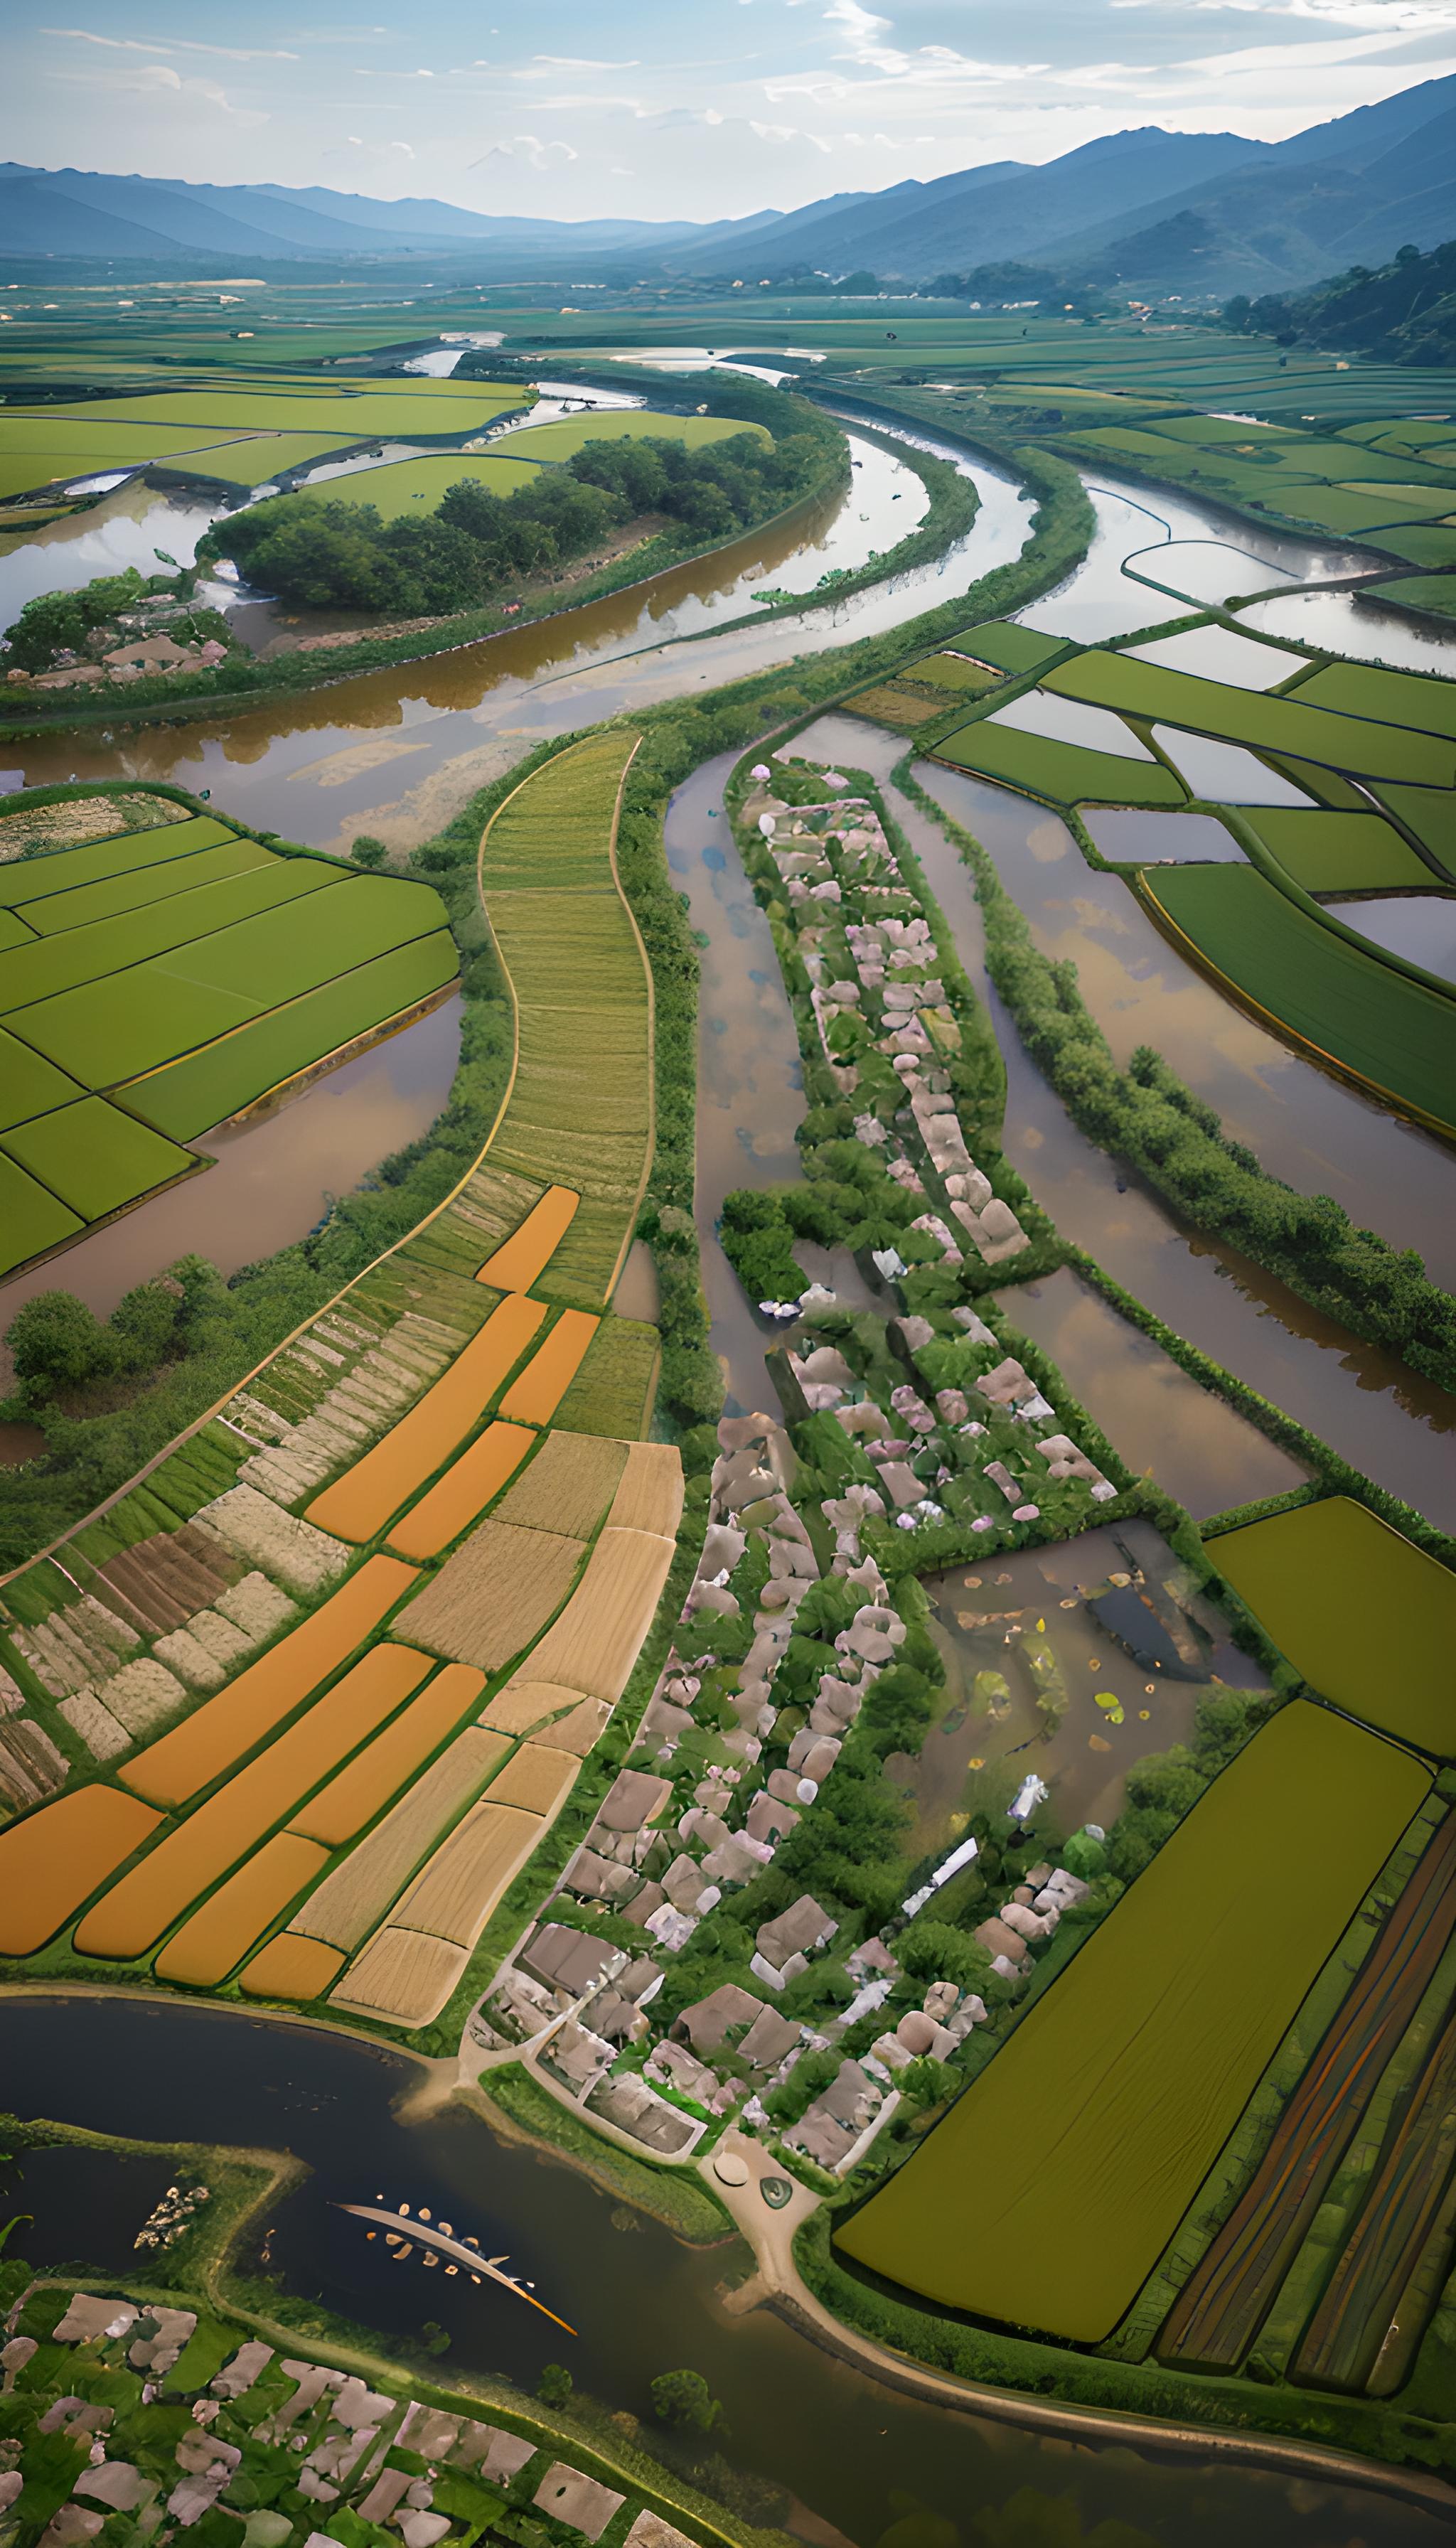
column 797, row 2417
column 274, row 1178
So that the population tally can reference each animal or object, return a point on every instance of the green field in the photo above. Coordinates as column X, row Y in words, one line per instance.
column 30, row 1219
column 1338, row 852
column 1364, row 1616
column 1392, row 698
column 1254, row 718
column 580, row 1109
column 1047, row 2194
column 187, row 1097
column 1431, row 816
column 1011, row 648
column 570, row 433
column 1066, row 774
column 400, row 486
column 94, row 1157
column 1374, row 1022
column 190, row 946
column 27, row 880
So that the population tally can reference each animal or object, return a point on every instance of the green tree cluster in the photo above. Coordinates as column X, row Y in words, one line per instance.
column 321, row 555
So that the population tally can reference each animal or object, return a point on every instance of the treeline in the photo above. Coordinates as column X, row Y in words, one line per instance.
column 1403, row 312
column 1148, row 1116
column 320, row 555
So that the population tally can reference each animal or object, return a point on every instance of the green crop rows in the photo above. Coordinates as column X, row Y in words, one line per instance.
column 1054, row 2185
column 1067, row 774
column 1251, row 717
column 580, row 1109
column 1364, row 1016
column 187, row 946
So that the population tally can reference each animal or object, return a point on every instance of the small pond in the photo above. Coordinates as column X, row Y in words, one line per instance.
column 1222, row 654
column 1151, row 836
column 1225, row 772
column 1036, row 1680
column 1421, row 927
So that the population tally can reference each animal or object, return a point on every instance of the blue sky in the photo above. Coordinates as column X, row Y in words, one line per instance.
column 658, row 109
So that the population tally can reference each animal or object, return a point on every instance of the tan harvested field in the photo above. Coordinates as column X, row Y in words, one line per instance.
column 355, row 1897
column 536, row 1779
column 53, row 1859
column 524, row 1703
column 453, row 1897
column 596, row 1641
column 463, row 1493
column 567, row 1486
column 219, row 1732
column 577, row 1732
column 291, row 1967
column 220, row 1934
column 403, row 1977
column 361, row 1790
column 494, row 1594
column 650, row 1497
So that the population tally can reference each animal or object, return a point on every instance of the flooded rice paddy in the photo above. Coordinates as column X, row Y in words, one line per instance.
column 1421, row 927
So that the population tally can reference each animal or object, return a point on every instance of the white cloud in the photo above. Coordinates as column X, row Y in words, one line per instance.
column 533, row 150
column 180, row 44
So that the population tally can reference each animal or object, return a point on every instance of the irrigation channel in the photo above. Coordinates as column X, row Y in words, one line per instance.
column 857, row 2461
column 797, row 2418
column 312, row 767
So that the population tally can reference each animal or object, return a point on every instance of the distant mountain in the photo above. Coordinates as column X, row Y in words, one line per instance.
column 1348, row 191
column 1201, row 213
column 72, row 212
column 1006, row 210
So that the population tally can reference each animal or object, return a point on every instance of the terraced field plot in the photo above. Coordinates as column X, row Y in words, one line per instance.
column 581, row 1109
column 1063, row 773
column 1339, row 740
column 1051, row 2189
column 157, row 982
column 292, row 1794
column 1365, row 1616
column 1383, row 1027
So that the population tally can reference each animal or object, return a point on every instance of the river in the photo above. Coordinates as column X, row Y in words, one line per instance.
column 640, row 2301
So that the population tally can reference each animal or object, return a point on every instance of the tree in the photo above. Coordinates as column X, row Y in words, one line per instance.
column 555, row 2385
column 56, row 1342
column 683, row 2399
column 437, row 2339
column 369, row 852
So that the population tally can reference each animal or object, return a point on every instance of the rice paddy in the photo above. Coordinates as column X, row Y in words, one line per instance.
column 463, row 1493
column 53, row 1860
column 1085, row 2138
column 595, row 1643
column 413, row 487
column 567, row 434
column 580, row 1115
column 155, row 983
column 1382, row 1026
column 534, row 1398
column 1365, row 1616
column 241, row 433
column 353, row 1899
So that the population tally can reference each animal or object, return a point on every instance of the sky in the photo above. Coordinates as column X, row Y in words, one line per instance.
column 658, row 110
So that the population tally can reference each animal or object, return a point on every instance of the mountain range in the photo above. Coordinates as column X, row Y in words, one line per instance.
column 1204, row 214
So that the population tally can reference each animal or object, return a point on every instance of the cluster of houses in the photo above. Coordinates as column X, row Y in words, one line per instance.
column 357, row 2451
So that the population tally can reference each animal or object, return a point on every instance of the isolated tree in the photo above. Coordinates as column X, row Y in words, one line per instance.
column 555, row 2385
column 683, row 2400
column 56, row 1342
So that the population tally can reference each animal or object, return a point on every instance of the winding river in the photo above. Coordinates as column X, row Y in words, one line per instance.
column 854, row 2457
column 321, row 768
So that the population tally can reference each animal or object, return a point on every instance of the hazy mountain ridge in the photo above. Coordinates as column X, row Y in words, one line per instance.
column 1195, row 213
